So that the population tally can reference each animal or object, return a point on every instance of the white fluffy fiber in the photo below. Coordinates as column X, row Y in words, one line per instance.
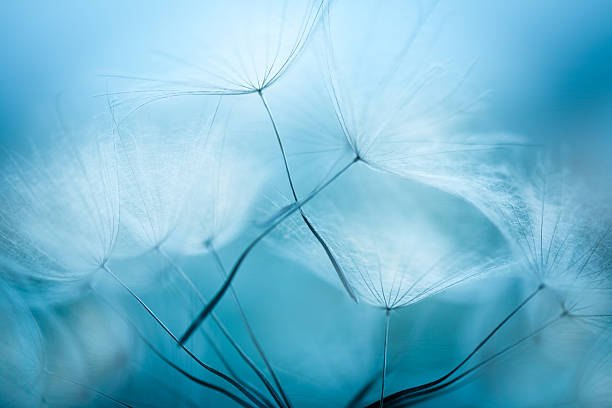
column 60, row 213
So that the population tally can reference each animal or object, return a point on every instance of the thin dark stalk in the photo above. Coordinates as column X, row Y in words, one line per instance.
column 248, row 327
column 364, row 390
column 224, row 330
column 191, row 377
column 210, row 369
column 230, row 277
column 332, row 258
column 225, row 363
column 430, row 384
column 312, row 229
column 174, row 366
column 427, row 394
column 384, row 365
column 219, row 355
column 280, row 144
column 479, row 346
column 229, row 369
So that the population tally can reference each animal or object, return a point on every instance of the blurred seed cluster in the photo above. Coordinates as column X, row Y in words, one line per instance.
column 310, row 203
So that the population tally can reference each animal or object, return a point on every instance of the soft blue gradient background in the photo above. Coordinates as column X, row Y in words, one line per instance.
column 549, row 67
column 547, row 62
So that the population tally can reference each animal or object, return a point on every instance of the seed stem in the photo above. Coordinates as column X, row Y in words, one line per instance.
column 210, row 369
column 385, row 346
column 225, row 286
column 429, row 393
column 312, row 229
column 223, row 329
column 409, row 391
column 248, row 327
column 174, row 366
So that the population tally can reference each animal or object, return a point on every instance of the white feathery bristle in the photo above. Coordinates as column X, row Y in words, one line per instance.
column 220, row 200
column 253, row 45
column 395, row 102
column 558, row 228
column 392, row 253
column 157, row 168
column 60, row 216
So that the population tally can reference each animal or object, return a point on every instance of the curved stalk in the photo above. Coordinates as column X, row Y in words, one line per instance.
column 235, row 376
column 280, row 144
column 210, row 369
column 364, row 390
column 312, row 229
column 409, row 391
column 191, row 377
column 248, row 327
column 384, row 365
column 429, row 393
column 181, row 371
column 226, row 284
column 224, row 330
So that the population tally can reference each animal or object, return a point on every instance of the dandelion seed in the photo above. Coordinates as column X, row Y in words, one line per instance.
column 60, row 216
column 390, row 256
column 393, row 105
column 269, row 53
column 561, row 239
column 561, row 232
column 185, row 193
column 561, row 235
column 244, row 48
column 61, row 220
column 388, row 271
